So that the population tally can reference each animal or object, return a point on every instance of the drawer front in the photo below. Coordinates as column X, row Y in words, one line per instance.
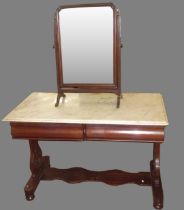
column 44, row 131
column 124, row 133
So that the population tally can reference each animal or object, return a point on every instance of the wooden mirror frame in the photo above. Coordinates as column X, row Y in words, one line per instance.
column 115, row 87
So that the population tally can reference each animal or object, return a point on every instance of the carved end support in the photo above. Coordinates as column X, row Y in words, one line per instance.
column 157, row 189
column 37, row 165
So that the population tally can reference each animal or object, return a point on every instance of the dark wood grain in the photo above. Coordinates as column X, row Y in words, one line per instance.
column 111, row 177
column 87, row 132
column 125, row 133
column 41, row 170
column 36, row 167
column 115, row 87
column 47, row 131
column 157, row 189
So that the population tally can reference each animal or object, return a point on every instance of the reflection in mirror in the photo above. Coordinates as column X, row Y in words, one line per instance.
column 87, row 47
column 87, row 44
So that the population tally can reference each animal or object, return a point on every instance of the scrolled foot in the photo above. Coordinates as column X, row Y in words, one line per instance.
column 118, row 100
column 58, row 98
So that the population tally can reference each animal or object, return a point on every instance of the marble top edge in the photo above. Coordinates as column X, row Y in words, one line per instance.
column 151, row 123
column 15, row 116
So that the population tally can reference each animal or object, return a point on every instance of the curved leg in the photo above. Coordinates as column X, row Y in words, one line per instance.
column 155, row 178
column 58, row 98
column 118, row 100
column 36, row 167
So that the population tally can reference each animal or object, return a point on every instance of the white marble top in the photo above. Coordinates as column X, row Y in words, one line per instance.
column 94, row 108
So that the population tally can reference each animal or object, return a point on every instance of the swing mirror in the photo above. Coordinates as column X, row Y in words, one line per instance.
column 87, row 48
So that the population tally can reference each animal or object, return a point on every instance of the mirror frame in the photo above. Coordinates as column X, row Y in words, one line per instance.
column 114, row 87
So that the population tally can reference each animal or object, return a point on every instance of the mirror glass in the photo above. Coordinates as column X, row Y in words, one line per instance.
column 86, row 35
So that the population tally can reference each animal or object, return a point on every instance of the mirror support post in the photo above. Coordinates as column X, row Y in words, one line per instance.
column 60, row 94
